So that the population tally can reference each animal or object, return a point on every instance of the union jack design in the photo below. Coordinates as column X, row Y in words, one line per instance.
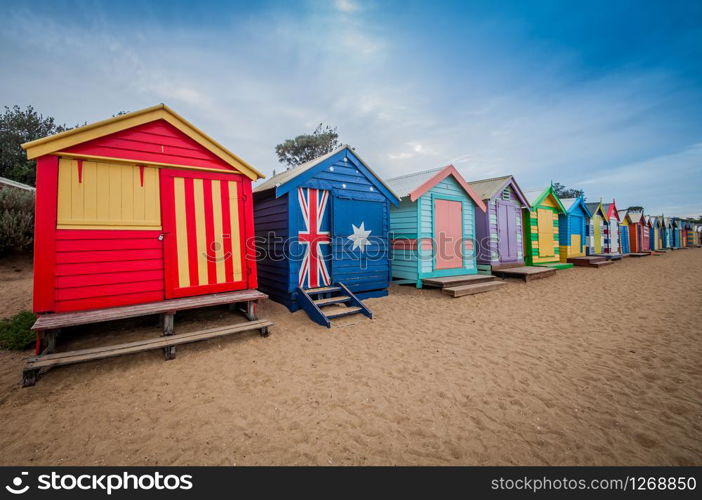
column 313, row 271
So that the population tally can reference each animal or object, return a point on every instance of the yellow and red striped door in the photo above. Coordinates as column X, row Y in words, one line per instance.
column 203, row 232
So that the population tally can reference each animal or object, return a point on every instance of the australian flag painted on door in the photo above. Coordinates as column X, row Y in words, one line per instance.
column 323, row 222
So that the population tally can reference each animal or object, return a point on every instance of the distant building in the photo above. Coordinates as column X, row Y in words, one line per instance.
column 9, row 183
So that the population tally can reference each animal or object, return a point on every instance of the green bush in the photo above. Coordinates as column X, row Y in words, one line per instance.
column 16, row 221
column 16, row 333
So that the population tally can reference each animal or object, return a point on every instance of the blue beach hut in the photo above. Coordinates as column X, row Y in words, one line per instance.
column 433, row 228
column 572, row 228
column 322, row 236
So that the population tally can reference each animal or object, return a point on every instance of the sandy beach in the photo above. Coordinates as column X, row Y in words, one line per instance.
column 590, row 367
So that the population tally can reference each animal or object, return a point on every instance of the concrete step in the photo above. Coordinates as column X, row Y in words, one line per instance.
column 459, row 291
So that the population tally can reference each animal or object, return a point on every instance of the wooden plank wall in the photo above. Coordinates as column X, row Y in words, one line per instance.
column 157, row 142
column 107, row 268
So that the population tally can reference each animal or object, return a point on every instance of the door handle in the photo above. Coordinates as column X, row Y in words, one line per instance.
column 162, row 236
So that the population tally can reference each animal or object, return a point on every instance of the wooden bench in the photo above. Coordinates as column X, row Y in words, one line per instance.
column 48, row 326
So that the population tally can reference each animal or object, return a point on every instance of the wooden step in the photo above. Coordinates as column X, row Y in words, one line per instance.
column 79, row 356
column 602, row 263
column 459, row 291
column 346, row 311
column 586, row 261
column 527, row 273
column 453, row 281
column 342, row 299
column 324, row 289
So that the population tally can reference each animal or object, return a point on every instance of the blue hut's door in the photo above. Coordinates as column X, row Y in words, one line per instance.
column 360, row 250
column 624, row 238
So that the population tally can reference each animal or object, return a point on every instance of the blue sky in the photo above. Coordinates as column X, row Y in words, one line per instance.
column 606, row 96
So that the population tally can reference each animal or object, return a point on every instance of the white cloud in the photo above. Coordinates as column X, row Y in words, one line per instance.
column 347, row 6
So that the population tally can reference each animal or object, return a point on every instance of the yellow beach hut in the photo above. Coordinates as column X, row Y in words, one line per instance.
column 541, row 234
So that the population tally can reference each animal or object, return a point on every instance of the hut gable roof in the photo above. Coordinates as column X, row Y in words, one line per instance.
column 488, row 189
column 537, row 196
column 636, row 217
column 293, row 177
column 596, row 207
column 573, row 205
column 61, row 142
column 417, row 184
column 610, row 210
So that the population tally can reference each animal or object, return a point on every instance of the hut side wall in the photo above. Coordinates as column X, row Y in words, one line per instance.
column 271, row 224
column 404, row 223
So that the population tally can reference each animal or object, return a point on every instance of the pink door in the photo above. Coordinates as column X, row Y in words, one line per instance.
column 448, row 234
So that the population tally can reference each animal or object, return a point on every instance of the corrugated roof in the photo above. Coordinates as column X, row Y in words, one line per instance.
column 290, row 174
column 403, row 185
column 533, row 194
column 487, row 188
column 15, row 184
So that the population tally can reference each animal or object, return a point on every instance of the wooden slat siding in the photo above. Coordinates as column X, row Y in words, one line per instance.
column 271, row 216
column 107, row 195
column 403, row 221
column 377, row 271
column 156, row 141
column 91, row 273
column 469, row 259
column 76, row 257
column 106, row 278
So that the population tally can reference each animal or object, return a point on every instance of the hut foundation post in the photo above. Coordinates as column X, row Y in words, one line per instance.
column 168, row 321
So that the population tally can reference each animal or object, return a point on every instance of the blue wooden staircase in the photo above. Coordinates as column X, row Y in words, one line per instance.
column 315, row 302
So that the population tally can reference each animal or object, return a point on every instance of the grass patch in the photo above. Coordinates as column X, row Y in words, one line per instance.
column 16, row 333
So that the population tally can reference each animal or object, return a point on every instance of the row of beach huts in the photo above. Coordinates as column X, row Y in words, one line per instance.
column 144, row 214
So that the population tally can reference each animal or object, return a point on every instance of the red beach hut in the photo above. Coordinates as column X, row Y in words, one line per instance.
column 142, row 208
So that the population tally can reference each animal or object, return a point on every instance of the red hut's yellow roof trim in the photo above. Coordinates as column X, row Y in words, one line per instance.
column 59, row 142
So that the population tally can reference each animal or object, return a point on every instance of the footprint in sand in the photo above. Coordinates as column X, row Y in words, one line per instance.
column 645, row 441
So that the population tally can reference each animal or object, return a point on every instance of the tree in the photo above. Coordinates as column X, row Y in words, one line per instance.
column 564, row 192
column 307, row 147
column 635, row 209
column 18, row 126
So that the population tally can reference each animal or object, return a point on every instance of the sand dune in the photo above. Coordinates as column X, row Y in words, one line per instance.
column 590, row 367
